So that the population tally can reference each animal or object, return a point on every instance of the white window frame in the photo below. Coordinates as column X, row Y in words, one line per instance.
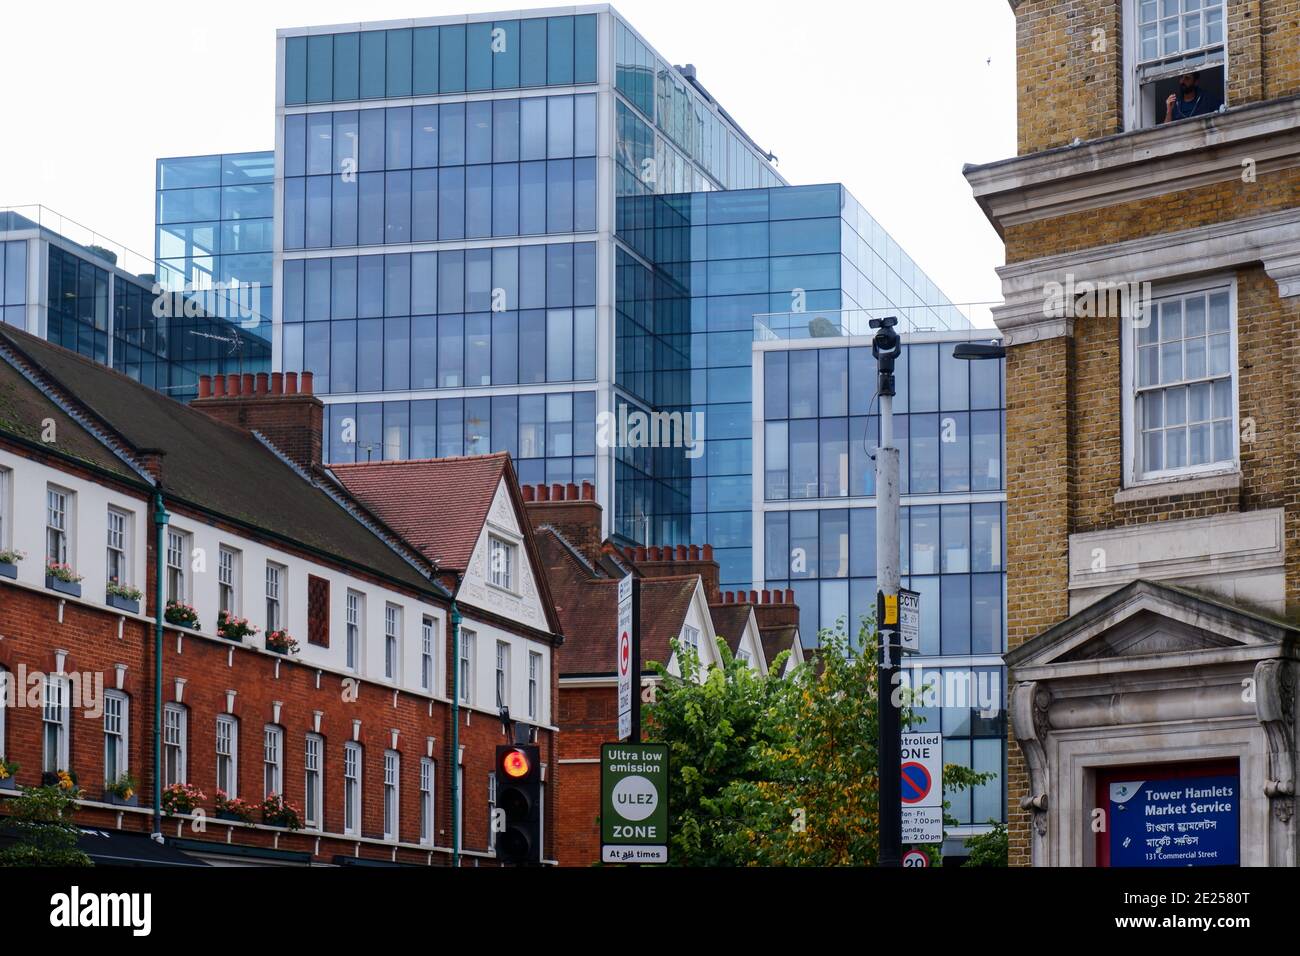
column 1205, row 57
column 272, row 760
column 502, row 562
column 313, row 749
column 392, row 641
column 229, row 561
column 276, row 584
column 1134, row 476
column 492, row 805
column 4, row 708
column 428, row 780
column 468, row 647
column 56, row 711
column 6, row 510
column 355, row 609
column 60, row 516
column 227, row 735
column 535, row 670
column 502, row 673
column 690, row 637
column 352, row 770
column 428, row 644
column 117, row 542
column 178, row 579
column 175, row 735
column 392, row 795
column 117, row 726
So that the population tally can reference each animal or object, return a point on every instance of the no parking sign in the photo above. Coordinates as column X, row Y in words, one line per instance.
column 922, row 788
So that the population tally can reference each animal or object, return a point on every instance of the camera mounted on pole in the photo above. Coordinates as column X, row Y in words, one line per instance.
column 886, row 347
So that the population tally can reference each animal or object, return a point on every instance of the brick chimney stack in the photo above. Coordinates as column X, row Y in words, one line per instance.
column 569, row 509
column 771, row 608
column 278, row 405
column 670, row 561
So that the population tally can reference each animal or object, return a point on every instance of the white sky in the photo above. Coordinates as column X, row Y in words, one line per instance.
column 886, row 96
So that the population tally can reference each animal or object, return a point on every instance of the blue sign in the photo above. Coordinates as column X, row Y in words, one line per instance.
column 1187, row 821
column 916, row 782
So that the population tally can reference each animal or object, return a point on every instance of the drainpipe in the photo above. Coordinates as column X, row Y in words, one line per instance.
column 160, row 519
column 455, row 727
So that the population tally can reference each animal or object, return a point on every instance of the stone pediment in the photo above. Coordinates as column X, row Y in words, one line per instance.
column 1147, row 633
column 1148, row 619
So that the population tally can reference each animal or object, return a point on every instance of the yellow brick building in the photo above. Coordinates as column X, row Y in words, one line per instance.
column 1152, row 317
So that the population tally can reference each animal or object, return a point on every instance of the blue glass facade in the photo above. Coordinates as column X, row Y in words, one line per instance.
column 440, row 59
column 516, row 167
column 817, row 519
column 214, row 244
column 13, row 283
column 701, row 275
column 89, row 303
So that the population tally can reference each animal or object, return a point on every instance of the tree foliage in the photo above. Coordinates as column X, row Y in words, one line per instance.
column 41, row 821
column 777, row 770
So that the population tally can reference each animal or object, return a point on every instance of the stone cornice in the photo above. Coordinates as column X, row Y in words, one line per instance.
column 1138, row 164
column 1273, row 239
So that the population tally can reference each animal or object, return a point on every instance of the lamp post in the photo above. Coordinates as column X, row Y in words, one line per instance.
column 886, row 347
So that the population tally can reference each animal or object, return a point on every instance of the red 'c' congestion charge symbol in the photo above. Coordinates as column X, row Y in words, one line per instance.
column 624, row 652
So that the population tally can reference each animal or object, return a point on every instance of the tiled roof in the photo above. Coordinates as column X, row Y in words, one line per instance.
column 778, row 639
column 208, row 464
column 729, row 620
column 588, row 610
column 23, row 412
column 438, row 505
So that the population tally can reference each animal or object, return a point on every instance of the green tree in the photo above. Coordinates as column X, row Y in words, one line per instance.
column 779, row 771
column 41, row 820
column 716, row 730
column 988, row 849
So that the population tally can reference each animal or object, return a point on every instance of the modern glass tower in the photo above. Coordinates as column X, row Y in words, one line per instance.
column 71, row 286
column 495, row 233
column 817, row 427
column 445, row 251
column 700, row 277
column 214, row 242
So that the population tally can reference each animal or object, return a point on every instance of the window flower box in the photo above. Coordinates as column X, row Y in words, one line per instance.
column 234, row 809
column 9, row 775
column 122, row 792
column 279, row 642
column 122, row 597
column 63, row 779
column 9, row 563
column 181, row 798
column 234, row 628
column 181, row 615
column 279, row 812
column 61, row 578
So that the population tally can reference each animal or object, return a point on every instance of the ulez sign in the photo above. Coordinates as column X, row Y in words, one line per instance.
column 634, row 803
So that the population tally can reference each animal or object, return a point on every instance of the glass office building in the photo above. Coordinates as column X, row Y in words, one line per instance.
column 818, row 426
column 446, row 252
column 81, row 293
column 701, row 275
column 214, row 244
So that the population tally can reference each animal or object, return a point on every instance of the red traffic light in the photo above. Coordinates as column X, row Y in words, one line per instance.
column 515, row 764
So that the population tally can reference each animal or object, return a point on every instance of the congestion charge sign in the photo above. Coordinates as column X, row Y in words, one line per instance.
column 1185, row 821
column 634, row 803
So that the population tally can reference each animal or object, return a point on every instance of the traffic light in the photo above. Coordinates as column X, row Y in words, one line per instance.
column 519, row 804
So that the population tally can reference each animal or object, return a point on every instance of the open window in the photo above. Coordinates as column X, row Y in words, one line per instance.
column 1170, row 39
